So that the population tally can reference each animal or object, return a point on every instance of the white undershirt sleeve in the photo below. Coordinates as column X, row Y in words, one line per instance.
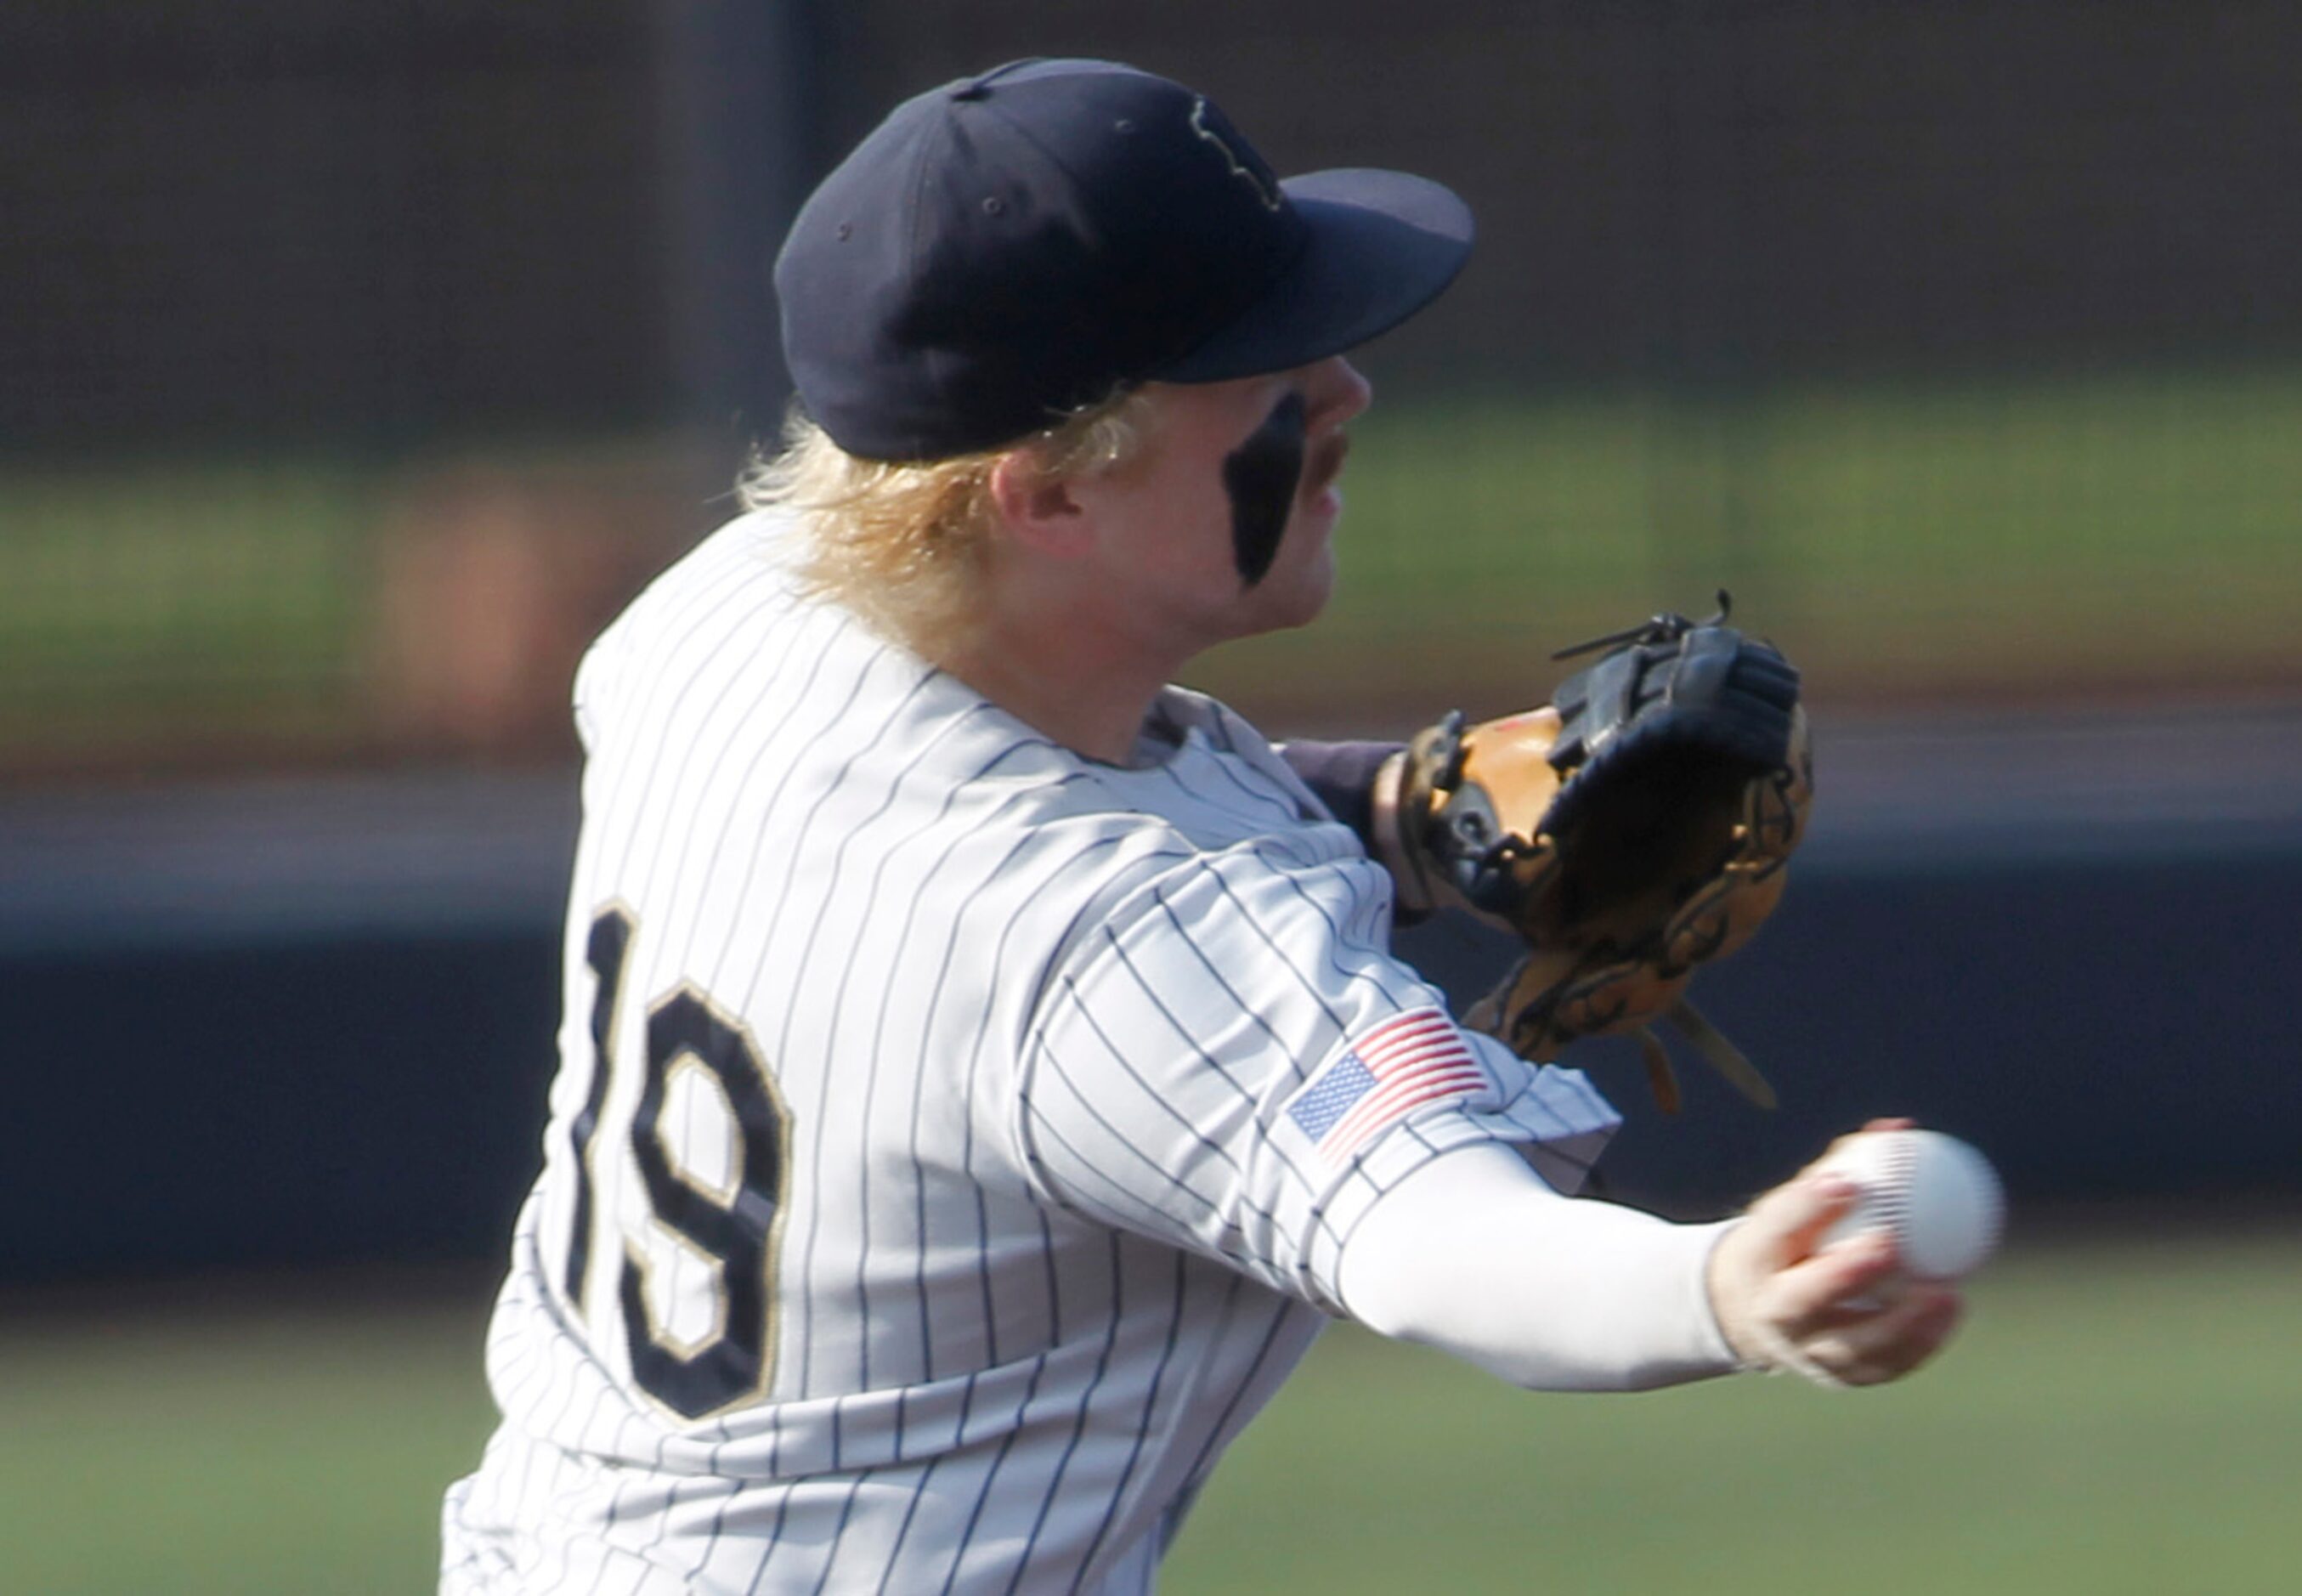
column 1472, row 1253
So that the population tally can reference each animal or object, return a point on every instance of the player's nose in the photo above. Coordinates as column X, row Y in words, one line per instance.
column 1336, row 392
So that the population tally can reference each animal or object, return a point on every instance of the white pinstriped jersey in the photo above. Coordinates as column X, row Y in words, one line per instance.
column 955, row 1139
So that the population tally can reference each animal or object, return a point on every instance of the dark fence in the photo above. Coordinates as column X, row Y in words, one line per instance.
column 1734, row 191
column 382, row 222
column 392, row 220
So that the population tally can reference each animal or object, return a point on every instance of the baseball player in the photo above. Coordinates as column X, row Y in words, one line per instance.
column 983, row 1068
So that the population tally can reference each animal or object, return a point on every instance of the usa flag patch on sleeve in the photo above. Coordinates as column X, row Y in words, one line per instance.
column 1381, row 1076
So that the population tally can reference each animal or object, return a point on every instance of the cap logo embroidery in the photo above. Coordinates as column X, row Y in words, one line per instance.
column 1262, row 191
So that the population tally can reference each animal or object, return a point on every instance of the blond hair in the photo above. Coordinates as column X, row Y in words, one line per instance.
column 904, row 544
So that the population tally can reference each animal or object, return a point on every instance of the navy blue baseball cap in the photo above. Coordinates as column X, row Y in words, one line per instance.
column 1007, row 248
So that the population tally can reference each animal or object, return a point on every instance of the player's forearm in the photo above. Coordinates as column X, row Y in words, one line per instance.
column 1474, row 1255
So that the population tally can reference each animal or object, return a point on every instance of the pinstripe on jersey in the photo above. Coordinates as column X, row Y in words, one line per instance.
column 960, row 1064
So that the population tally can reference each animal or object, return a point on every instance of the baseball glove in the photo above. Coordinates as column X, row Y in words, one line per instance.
column 1635, row 827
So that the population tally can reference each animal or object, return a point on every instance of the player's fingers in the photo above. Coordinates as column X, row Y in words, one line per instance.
column 1796, row 1213
column 1788, row 1223
column 1889, row 1343
column 1840, row 1284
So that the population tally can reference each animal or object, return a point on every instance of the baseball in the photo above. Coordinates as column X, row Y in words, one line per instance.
column 1936, row 1195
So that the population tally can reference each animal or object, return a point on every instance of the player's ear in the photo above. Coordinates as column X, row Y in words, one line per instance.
column 1038, row 507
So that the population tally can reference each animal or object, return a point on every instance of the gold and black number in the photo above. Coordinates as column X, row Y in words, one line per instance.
column 609, row 944
column 731, row 1222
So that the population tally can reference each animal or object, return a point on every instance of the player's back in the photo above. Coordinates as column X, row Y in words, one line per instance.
column 788, row 1305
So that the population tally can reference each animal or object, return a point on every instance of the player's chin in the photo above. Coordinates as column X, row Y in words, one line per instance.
column 1296, row 592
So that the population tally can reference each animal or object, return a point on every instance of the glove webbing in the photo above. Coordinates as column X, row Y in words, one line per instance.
column 1732, row 1064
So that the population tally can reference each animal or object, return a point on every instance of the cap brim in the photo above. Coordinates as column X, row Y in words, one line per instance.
column 1380, row 247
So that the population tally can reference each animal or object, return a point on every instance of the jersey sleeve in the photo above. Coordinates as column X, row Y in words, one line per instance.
column 1231, row 1061
column 1341, row 776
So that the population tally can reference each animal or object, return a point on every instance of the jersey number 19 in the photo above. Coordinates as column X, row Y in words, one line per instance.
column 731, row 1222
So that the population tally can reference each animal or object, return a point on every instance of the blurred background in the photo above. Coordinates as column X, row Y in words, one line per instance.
column 363, row 356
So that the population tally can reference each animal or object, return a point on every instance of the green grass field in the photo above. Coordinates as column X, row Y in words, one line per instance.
column 2112, row 532
column 2120, row 1419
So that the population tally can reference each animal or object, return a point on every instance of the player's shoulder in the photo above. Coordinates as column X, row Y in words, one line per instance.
column 1205, row 789
column 704, row 620
column 744, row 565
column 1218, row 834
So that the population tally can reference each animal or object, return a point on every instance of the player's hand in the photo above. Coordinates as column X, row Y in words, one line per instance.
column 1841, row 1315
